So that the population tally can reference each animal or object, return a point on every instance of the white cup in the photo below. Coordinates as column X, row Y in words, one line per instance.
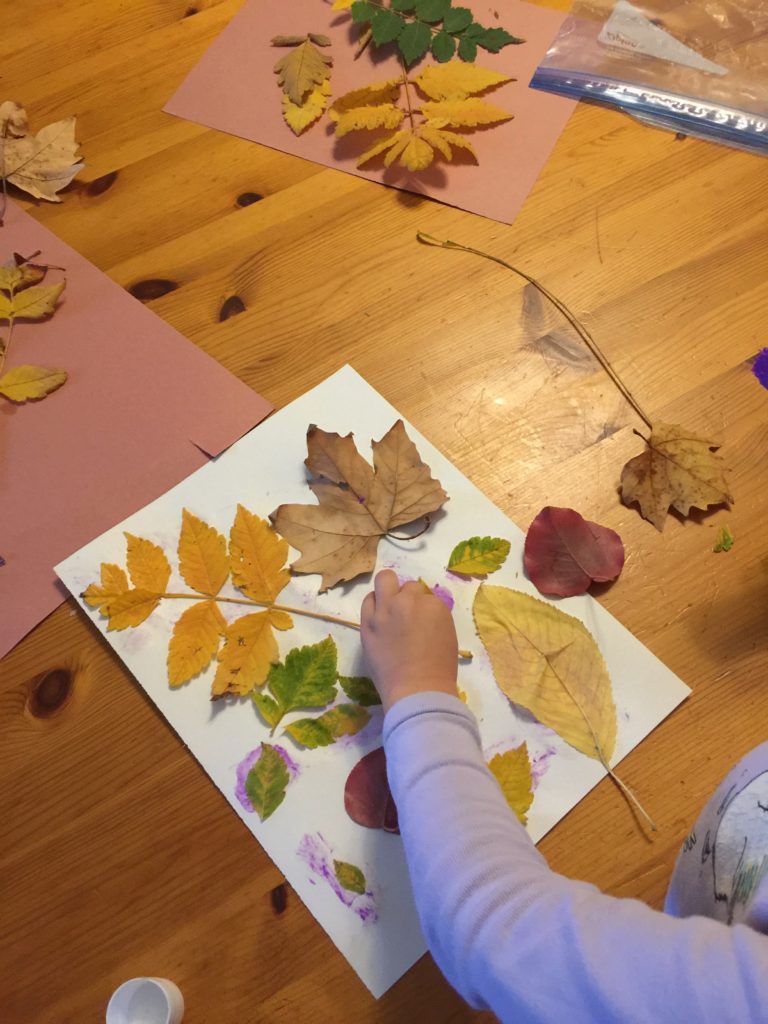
column 146, row 1001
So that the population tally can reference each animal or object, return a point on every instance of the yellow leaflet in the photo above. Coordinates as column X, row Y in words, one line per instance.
column 32, row 303
column 417, row 154
column 512, row 771
column 29, row 382
column 194, row 641
column 341, row 5
column 18, row 277
column 382, row 115
column 456, row 80
column 298, row 118
column 203, row 561
column 131, row 608
column 249, row 649
column 381, row 147
column 301, row 70
column 443, row 140
column 147, row 565
column 467, row 113
column 376, row 93
column 113, row 583
column 257, row 556
column 279, row 619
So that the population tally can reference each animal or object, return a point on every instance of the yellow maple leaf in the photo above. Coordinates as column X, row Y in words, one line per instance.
column 203, row 561
column 30, row 382
column 257, row 557
column 42, row 164
column 32, row 303
column 468, row 113
column 300, row 70
column 131, row 608
column 194, row 641
column 375, row 93
column 147, row 565
column 380, row 115
column 548, row 662
column 512, row 771
column 456, row 80
column 114, row 582
column 244, row 660
column 300, row 117
column 678, row 469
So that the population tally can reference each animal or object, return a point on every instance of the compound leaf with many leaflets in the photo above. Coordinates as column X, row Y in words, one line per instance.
column 512, row 771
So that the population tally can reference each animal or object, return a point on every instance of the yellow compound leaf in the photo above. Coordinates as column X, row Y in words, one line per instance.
column 548, row 662
column 467, row 113
column 147, row 565
column 203, row 561
column 456, row 80
column 114, row 582
column 442, row 141
column 257, row 557
column 244, row 660
column 416, row 155
column 373, row 94
column 300, row 117
column 30, row 382
column 34, row 303
column 678, row 470
column 512, row 771
column 299, row 71
column 387, row 143
column 131, row 608
column 194, row 641
column 381, row 115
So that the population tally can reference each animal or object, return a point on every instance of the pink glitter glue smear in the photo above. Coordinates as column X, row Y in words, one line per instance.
column 249, row 761
column 318, row 856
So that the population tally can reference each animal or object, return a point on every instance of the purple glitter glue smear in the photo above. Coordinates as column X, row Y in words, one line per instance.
column 318, row 856
column 539, row 765
column 441, row 593
column 244, row 767
column 760, row 367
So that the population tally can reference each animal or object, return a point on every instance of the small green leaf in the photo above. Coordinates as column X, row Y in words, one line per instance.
column 467, row 49
column 308, row 677
column 310, row 732
column 360, row 690
column 724, row 542
column 361, row 11
column 266, row 782
column 349, row 877
column 432, row 10
column 457, row 19
column 443, row 47
column 494, row 39
column 478, row 555
column 343, row 720
column 414, row 41
column 386, row 26
column 403, row 5
column 474, row 31
column 267, row 707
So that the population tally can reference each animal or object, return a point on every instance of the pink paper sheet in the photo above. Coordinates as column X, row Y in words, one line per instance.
column 142, row 409
column 233, row 88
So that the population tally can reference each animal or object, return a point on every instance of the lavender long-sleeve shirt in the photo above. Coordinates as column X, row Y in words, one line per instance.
column 514, row 937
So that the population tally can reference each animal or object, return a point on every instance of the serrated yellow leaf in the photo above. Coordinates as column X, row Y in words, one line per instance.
column 512, row 771
column 375, row 93
column 416, row 155
column 32, row 303
column 114, row 582
column 467, row 113
column 382, row 146
column 301, row 70
column 456, row 80
column 443, row 140
column 280, row 619
column 147, row 565
column 549, row 663
column 257, row 557
column 298, row 118
column 194, row 641
column 131, row 608
column 30, row 382
column 203, row 561
column 244, row 660
column 382, row 115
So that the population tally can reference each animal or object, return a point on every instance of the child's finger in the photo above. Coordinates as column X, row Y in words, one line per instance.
column 386, row 585
column 367, row 610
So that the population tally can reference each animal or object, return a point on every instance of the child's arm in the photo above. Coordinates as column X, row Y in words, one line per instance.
column 507, row 932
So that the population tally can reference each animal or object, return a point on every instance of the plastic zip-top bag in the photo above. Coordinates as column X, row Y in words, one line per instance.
column 696, row 68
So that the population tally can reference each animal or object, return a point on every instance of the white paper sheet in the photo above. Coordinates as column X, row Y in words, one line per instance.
column 378, row 932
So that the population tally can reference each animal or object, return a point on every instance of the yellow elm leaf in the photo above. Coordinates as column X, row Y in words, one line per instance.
column 203, row 561
column 147, row 565
column 257, row 557
column 31, row 303
column 375, row 93
column 244, row 660
column 382, row 115
column 30, row 382
column 512, row 771
column 194, row 641
column 113, row 583
column 548, row 662
column 456, row 80
column 131, row 608
column 298, row 118
column 443, row 140
column 469, row 113
column 301, row 70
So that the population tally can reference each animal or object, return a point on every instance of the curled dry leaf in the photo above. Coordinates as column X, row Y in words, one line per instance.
column 42, row 164
column 367, row 797
column 565, row 553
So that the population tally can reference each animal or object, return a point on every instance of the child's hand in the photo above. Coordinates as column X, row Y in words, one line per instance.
column 409, row 640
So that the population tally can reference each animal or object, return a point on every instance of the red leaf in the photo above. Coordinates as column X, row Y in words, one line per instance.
column 367, row 798
column 565, row 553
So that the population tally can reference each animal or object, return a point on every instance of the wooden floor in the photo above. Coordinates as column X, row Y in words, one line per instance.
column 118, row 857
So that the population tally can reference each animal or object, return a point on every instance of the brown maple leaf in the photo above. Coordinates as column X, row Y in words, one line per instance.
column 358, row 504
column 678, row 470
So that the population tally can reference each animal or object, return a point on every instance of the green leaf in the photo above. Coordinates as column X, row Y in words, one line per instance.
column 467, row 49
column 474, row 31
column 343, row 720
column 306, row 680
column 266, row 782
column 361, row 11
column 457, row 19
column 361, row 690
column 478, row 555
column 403, row 5
column 724, row 542
column 443, row 47
column 267, row 707
column 414, row 41
column 494, row 39
column 432, row 10
column 349, row 877
column 386, row 26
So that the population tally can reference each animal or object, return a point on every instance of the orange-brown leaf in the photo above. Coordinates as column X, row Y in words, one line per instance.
column 203, row 561
column 194, row 641
column 114, row 582
column 131, row 608
column 147, row 565
column 244, row 660
column 257, row 557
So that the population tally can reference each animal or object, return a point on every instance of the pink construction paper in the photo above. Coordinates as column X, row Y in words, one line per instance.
column 142, row 409
column 233, row 88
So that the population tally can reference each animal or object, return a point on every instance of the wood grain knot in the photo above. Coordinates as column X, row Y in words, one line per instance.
column 190, row 11
column 153, row 288
column 50, row 692
column 99, row 186
column 246, row 198
column 231, row 307
column 279, row 898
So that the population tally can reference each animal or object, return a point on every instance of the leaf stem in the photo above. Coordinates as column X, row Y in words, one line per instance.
column 407, row 94
column 580, row 329
column 11, row 321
